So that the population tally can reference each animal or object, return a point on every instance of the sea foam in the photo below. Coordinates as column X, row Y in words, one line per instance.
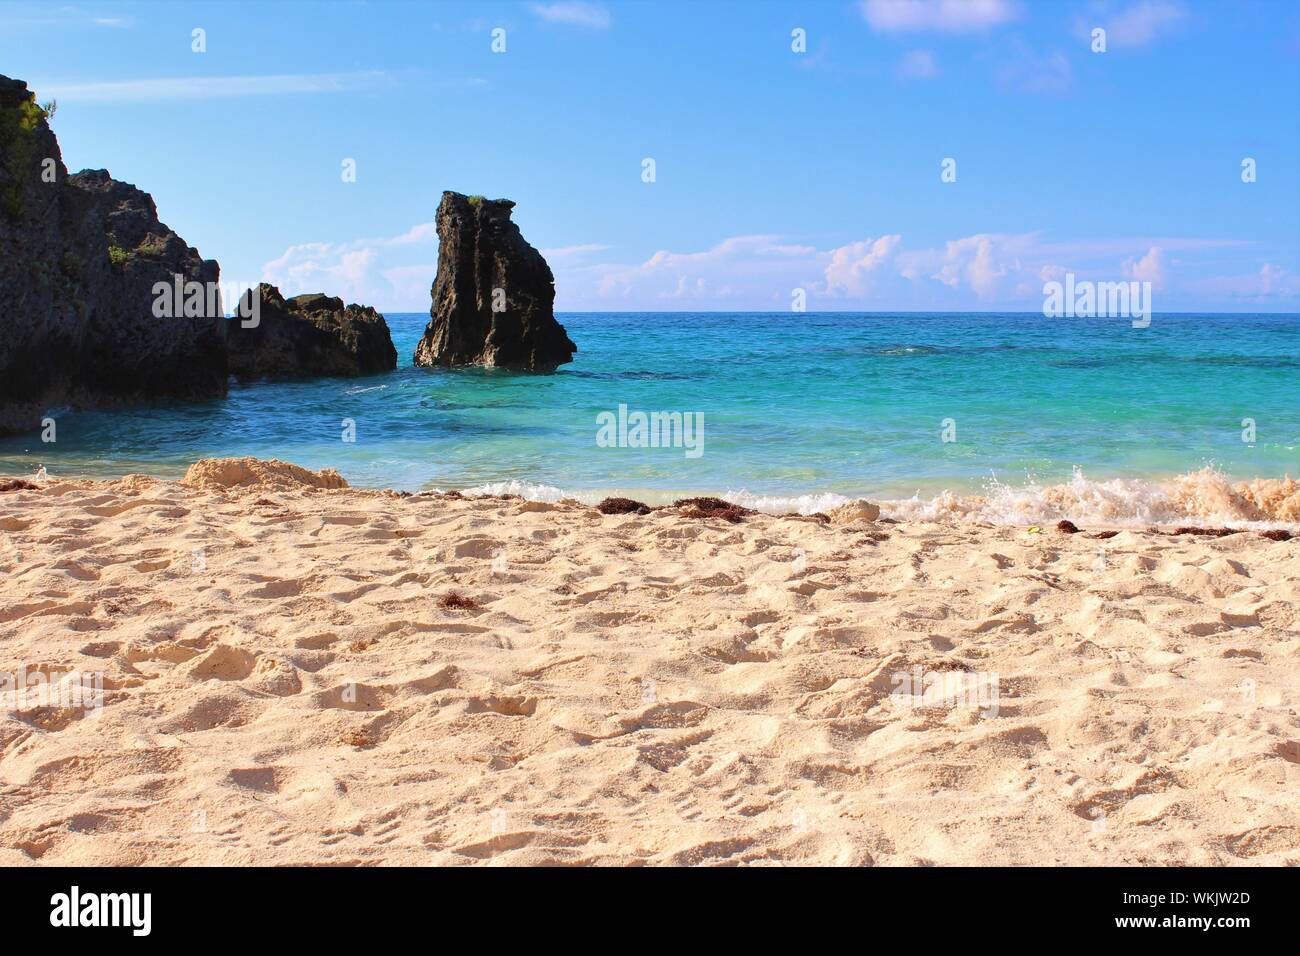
column 1201, row 497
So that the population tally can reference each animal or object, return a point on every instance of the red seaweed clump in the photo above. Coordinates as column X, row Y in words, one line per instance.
column 458, row 602
column 623, row 506
column 1277, row 534
column 711, row 508
column 1067, row 527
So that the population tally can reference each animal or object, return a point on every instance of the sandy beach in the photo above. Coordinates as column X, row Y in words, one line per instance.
column 315, row 675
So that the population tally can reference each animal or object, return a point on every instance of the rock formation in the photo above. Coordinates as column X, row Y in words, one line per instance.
column 494, row 295
column 307, row 335
column 79, row 258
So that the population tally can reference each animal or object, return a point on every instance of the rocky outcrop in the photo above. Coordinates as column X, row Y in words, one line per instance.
column 494, row 295
column 307, row 335
column 80, row 257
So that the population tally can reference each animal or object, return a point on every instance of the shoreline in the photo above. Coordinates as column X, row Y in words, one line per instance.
column 329, row 675
column 1204, row 497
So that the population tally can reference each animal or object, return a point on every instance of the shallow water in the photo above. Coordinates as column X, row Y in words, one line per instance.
column 801, row 408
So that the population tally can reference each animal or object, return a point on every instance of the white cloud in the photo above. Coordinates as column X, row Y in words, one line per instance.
column 943, row 16
column 918, row 64
column 735, row 266
column 1150, row 268
column 374, row 272
column 1272, row 286
column 851, row 267
column 980, row 263
column 573, row 12
column 424, row 232
column 1142, row 23
column 411, row 287
column 984, row 270
column 760, row 272
column 211, row 87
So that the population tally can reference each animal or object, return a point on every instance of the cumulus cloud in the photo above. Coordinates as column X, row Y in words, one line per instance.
column 762, row 271
column 942, row 16
column 980, row 271
column 980, row 263
column 851, row 267
column 378, row 272
column 573, row 12
column 1149, row 268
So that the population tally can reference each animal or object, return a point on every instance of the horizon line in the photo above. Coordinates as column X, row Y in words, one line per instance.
column 1038, row 313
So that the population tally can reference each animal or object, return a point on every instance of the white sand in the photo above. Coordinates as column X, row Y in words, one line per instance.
column 282, row 687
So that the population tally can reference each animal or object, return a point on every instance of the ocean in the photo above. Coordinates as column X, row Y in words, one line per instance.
column 788, row 411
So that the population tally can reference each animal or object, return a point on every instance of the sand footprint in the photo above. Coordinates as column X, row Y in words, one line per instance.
column 222, row 662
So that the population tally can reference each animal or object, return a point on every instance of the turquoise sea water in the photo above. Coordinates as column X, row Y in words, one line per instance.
column 792, row 404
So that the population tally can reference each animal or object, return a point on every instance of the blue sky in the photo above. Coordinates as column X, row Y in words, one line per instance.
column 774, row 169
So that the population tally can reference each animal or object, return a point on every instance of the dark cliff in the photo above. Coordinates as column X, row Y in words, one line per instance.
column 79, row 259
column 494, row 295
column 311, row 334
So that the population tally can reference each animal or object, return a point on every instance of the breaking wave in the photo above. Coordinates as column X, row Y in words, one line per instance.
column 1200, row 497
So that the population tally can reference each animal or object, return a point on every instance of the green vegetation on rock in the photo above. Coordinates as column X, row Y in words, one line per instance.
column 16, row 146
